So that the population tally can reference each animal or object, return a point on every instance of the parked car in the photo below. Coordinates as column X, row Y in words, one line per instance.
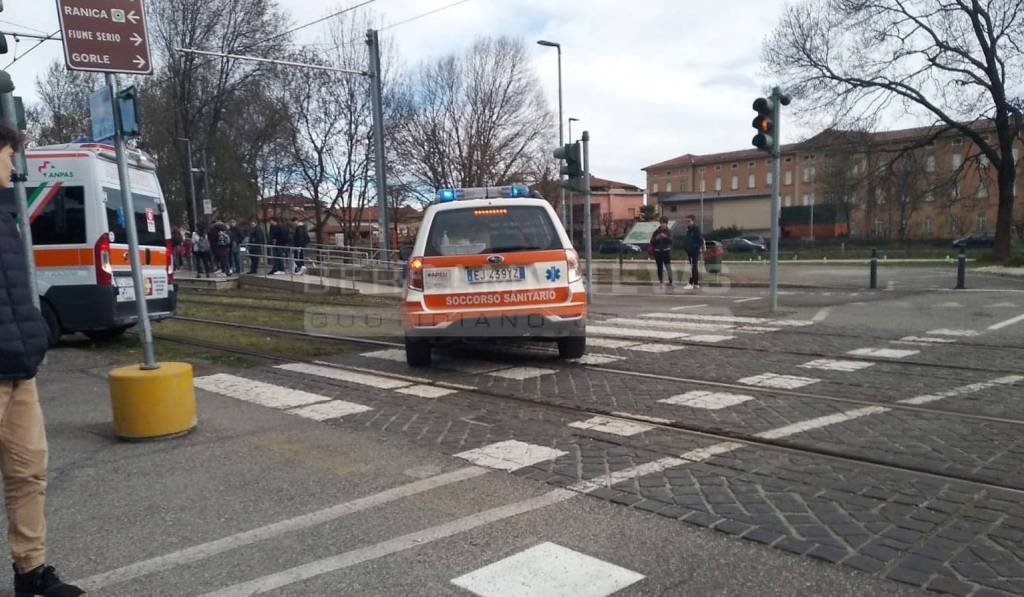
column 613, row 246
column 976, row 240
column 757, row 239
column 742, row 245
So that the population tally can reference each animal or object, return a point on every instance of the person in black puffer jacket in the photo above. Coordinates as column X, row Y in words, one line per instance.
column 23, row 448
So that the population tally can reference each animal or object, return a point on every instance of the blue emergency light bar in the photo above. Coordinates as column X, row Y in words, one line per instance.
column 507, row 192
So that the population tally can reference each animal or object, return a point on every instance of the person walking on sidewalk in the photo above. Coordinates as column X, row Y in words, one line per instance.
column 661, row 249
column 300, row 240
column 23, row 448
column 237, row 240
column 694, row 247
column 280, row 238
column 257, row 240
column 202, row 250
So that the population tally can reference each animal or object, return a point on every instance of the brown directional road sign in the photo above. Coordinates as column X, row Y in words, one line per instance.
column 106, row 36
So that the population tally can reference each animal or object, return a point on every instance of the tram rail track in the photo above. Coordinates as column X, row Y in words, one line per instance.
column 674, row 426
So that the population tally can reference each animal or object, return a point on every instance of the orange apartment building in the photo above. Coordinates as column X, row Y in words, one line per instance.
column 921, row 183
column 614, row 207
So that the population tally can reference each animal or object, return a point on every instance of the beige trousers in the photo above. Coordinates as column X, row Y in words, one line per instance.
column 23, row 461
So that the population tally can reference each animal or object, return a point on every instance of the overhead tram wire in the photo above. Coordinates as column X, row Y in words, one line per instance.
column 26, row 52
column 420, row 16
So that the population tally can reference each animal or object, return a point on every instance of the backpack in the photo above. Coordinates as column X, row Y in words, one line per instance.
column 223, row 239
column 203, row 244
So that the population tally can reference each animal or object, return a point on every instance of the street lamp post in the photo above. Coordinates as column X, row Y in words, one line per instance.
column 191, row 183
column 561, row 137
column 569, row 217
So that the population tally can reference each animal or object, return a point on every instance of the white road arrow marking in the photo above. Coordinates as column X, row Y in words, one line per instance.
column 137, row 39
column 139, row 61
column 134, row 18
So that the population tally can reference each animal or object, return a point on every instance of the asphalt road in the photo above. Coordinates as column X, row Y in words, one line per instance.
column 853, row 443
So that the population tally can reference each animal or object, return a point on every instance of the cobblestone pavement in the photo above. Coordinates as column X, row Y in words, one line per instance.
column 897, row 452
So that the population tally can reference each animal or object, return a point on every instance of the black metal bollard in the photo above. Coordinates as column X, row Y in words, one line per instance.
column 874, row 269
column 961, row 269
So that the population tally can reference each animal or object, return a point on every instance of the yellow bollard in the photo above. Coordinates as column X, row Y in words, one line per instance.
column 152, row 404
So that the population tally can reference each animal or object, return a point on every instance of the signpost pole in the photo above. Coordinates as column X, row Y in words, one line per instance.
column 586, row 213
column 149, row 357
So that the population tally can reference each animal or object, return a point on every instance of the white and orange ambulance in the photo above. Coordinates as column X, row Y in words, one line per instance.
column 492, row 262
column 81, row 243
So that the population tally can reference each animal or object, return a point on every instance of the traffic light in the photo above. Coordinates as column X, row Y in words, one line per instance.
column 764, row 122
column 573, row 167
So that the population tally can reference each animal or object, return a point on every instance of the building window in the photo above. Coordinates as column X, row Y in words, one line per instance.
column 954, row 224
column 668, row 187
column 980, row 223
column 701, row 170
column 809, row 174
column 768, row 179
column 654, row 189
column 879, row 226
column 957, row 141
column 669, row 173
column 926, row 226
column 958, row 160
column 751, row 181
column 788, row 160
column 735, row 182
column 718, row 183
column 718, row 167
column 929, row 195
column 672, row 209
column 789, row 177
column 734, row 166
column 929, row 165
column 702, row 185
column 982, row 192
column 750, row 164
column 788, row 201
column 807, row 199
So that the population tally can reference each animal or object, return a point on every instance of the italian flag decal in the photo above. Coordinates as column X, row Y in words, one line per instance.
column 41, row 196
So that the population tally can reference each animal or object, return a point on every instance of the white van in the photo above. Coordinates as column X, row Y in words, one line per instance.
column 81, row 243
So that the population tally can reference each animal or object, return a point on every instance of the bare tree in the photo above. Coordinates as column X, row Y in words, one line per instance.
column 474, row 119
column 199, row 92
column 62, row 113
column 948, row 59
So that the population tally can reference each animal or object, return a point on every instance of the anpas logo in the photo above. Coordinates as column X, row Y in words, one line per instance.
column 49, row 170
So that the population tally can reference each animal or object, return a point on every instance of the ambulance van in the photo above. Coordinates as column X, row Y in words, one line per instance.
column 492, row 263
column 81, row 241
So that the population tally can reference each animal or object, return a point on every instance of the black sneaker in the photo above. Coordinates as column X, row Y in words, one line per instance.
column 43, row 581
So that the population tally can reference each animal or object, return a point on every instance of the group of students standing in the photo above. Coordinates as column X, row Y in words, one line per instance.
column 661, row 249
column 216, row 250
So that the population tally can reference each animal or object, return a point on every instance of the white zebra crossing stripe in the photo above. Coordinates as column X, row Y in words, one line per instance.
column 958, row 333
column 657, row 348
column 707, row 400
column 923, row 340
column 883, row 353
column 521, row 373
column 391, row 354
column 708, row 318
column 510, row 455
column 609, row 343
column 780, row 382
column 605, row 330
column 836, row 365
column 684, row 326
column 548, row 570
column 612, row 426
column 257, row 392
column 334, row 409
column 708, row 338
column 597, row 359
column 364, row 379
column 425, row 391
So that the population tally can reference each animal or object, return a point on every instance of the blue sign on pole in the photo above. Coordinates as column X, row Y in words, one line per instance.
column 101, row 110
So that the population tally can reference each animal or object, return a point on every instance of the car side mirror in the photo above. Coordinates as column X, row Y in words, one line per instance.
column 405, row 252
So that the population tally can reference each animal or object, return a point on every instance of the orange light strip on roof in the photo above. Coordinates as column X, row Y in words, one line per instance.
column 497, row 211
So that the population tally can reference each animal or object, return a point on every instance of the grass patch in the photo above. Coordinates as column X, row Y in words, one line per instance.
column 242, row 295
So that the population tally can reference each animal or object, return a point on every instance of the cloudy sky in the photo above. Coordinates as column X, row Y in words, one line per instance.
column 650, row 79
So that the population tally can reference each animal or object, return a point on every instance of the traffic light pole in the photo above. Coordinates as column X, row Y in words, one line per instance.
column 773, row 283
column 7, row 107
column 586, row 213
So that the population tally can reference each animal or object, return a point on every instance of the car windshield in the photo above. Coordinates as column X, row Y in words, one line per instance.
column 473, row 231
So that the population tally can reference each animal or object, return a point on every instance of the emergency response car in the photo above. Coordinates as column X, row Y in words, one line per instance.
column 81, row 243
column 492, row 262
